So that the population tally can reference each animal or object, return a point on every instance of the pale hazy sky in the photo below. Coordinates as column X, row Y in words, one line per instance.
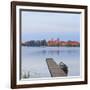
column 47, row 25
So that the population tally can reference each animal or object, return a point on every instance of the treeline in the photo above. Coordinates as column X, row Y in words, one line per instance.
column 35, row 43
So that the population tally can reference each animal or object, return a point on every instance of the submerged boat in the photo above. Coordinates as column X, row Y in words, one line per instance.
column 64, row 67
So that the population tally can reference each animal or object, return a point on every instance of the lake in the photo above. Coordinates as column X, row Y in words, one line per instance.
column 34, row 60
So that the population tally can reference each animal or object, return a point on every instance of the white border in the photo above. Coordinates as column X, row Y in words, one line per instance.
column 50, row 80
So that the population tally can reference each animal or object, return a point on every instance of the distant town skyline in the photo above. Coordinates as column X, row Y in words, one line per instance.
column 47, row 25
column 38, row 43
column 52, row 39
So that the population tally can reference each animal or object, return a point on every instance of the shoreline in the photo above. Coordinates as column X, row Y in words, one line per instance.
column 50, row 46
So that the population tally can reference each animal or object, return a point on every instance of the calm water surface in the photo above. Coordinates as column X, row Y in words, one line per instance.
column 34, row 60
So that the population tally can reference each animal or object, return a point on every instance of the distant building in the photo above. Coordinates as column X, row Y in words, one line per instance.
column 73, row 43
column 63, row 43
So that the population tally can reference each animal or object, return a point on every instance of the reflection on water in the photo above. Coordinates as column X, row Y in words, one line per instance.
column 34, row 59
column 57, row 52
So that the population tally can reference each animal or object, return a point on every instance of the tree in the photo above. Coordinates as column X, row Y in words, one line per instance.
column 43, row 43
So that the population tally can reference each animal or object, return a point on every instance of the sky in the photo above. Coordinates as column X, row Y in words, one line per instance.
column 49, row 25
